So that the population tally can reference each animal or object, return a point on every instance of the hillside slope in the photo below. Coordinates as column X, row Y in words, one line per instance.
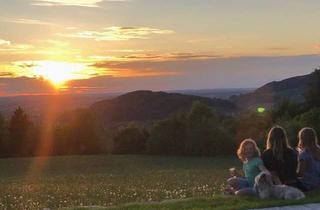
column 292, row 88
column 148, row 106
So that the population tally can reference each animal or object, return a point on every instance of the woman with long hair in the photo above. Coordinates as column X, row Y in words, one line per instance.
column 309, row 159
column 279, row 158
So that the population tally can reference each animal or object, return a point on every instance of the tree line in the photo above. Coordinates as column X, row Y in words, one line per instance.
column 199, row 131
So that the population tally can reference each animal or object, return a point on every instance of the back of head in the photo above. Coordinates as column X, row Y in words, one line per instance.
column 278, row 142
column 308, row 140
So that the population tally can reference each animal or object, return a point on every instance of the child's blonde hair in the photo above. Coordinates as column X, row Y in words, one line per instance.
column 240, row 151
column 277, row 141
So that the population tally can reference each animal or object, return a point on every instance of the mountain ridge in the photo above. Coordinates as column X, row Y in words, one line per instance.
column 292, row 88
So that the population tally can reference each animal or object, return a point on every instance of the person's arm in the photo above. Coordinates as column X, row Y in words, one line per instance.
column 301, row 168
column 302, row 163
column 264, row 169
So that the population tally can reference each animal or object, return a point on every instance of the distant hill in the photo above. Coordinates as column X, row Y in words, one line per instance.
column 38, row 105
column 292, row 88
column 148, row 106
column 215, row 93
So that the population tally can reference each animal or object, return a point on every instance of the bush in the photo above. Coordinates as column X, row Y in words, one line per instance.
column 78, row 134
column 130, row 140
column 199, row 132
column 168, row 137
column 312, row 95
column 252, row 125
column 292, row 127
column 311, row 119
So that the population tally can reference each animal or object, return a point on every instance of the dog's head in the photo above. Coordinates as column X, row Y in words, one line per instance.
column 263, row 181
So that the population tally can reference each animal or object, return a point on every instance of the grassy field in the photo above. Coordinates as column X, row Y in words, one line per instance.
column 107, row 180
column 146, row 182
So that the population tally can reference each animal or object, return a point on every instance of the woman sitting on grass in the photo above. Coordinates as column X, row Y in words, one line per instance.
column 279, row 158
column 309, row 160
column 249, row 154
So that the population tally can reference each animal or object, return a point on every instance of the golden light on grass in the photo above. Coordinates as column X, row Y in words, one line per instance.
column 58, row 73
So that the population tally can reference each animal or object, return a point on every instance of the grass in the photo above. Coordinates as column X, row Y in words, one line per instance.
column 208, row 203
column 107, row 180
column 121, row 182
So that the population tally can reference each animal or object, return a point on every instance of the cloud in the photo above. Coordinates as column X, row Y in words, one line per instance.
column 116, row 33
column 176, row 74
column 146, row 58
column 24, row 85
column 80, row 3
column 6, row 74
column 4, row 42
column 126, row 50
column 278, row 48
column 29, row 21
column 15, row 48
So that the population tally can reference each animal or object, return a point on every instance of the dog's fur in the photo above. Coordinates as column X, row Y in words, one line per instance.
column 267, row 189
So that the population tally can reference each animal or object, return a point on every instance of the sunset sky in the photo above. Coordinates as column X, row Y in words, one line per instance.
column 95, row 46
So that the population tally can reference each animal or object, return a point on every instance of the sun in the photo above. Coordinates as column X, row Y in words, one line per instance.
column 58, row 73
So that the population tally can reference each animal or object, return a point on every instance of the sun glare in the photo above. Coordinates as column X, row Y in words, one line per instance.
column 58, row 73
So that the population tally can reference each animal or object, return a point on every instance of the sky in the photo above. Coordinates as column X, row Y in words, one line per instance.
column 96, row 46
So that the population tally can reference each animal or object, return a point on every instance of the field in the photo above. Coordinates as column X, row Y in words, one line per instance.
column 119, row 182
column 107, row 180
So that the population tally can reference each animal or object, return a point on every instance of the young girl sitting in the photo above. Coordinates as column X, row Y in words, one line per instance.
column 249, row 154
column 309, row 160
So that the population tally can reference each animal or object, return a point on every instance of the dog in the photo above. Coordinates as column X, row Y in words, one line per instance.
column 266, row 189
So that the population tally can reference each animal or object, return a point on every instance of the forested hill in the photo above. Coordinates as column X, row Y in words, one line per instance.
column 292, row 88
column 148, row 105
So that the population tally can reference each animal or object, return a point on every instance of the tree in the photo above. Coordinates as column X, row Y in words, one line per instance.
column 19, row 130
column 3, row 140
column 311, row 119
column 252, row 125
column 312, row 95
column 292, row 127
column 205, row 134
column 168, row 137
column 77, row 134
column 130, row 139
column 286, row 109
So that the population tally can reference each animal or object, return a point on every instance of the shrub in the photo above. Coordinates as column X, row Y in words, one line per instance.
column 130, row 139
column 168, row 137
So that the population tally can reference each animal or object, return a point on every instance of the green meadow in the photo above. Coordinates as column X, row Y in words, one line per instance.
column 62, row 182
column 120, row 182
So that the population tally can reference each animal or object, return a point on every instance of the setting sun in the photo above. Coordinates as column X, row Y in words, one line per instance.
column 58, row 73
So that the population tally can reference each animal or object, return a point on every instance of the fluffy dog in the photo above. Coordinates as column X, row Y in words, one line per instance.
column 266, row 189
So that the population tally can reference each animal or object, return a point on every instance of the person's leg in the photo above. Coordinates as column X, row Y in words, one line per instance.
column 301, row 186
column 233, row 183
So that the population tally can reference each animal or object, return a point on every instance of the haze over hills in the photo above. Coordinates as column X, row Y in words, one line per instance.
column 215, row 93
column 37, row 105
column 291, row 88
